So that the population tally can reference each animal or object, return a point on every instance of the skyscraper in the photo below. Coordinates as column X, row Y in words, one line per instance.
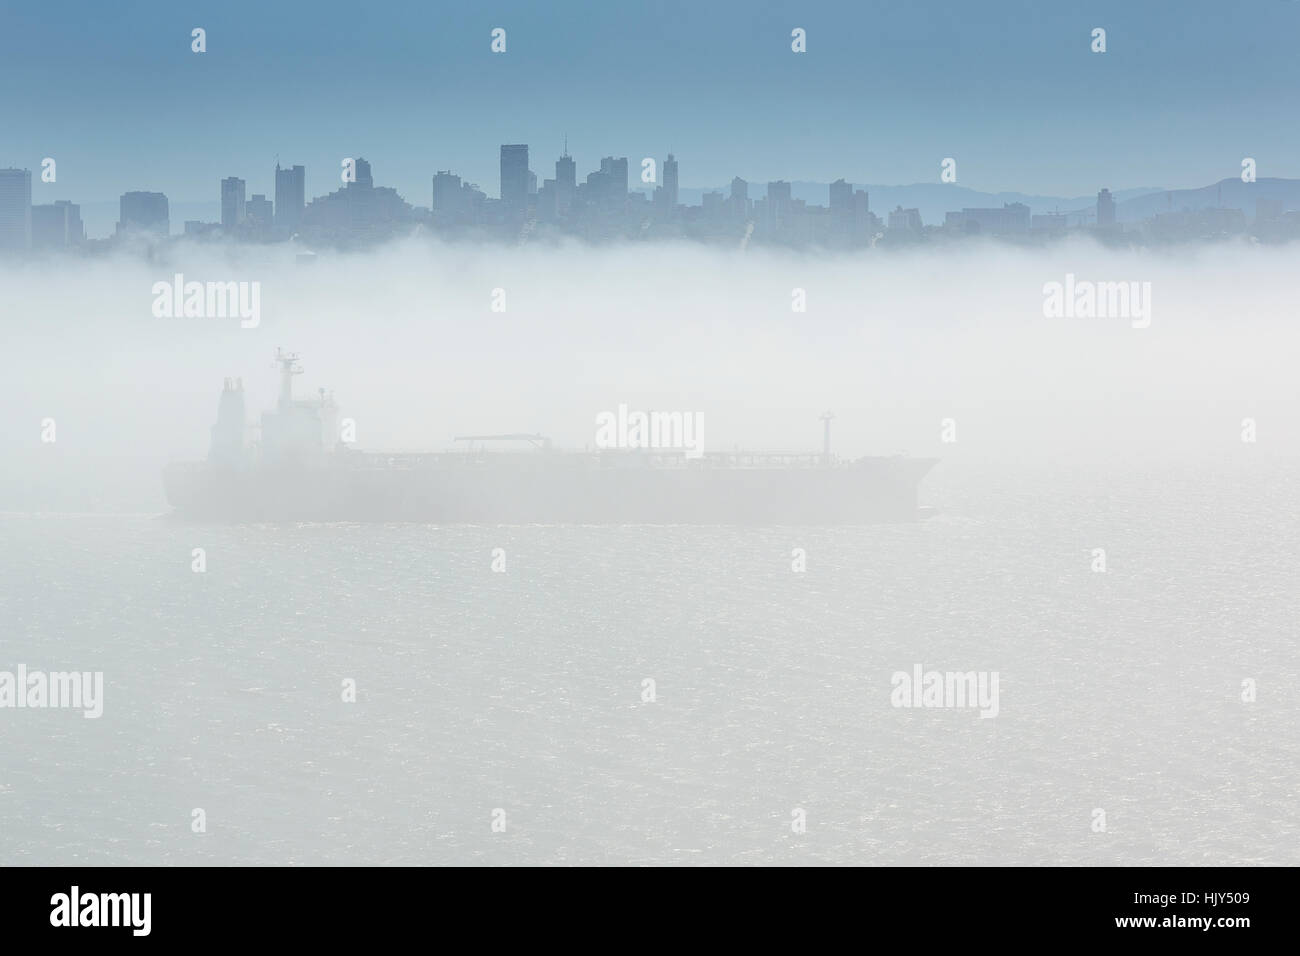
column 15, row 208
column 615, row 172
column 841, row 207
column 144, row 212
column 57, row 225
column 363, row 174
column 451, row 199
column 670, row 183
column 566, row 182
column 258, row 212
column 290, row 197
column 232, row 202
column 1105, row 208
column 778, row 202
column 841, row 196
column 514, row 178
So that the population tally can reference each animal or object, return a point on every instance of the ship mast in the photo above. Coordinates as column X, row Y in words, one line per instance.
column 826, row 436
column 289, row 367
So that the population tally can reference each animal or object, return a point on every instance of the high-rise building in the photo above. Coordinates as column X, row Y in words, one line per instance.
column 841, row 207
column 670, row 183
column 905, row 220
column 144, row 212
column 232, row 202
column 15, row 208
column 1105, row 208
column 57, row 225
column 364, row 179
column 447, row 198
column 841, row 197
column 778, row 202
column 738, row 201
column 616, row 183
column 566, row 183
column 290, row 197
column 514, row 178
column 566, row 172
column 258, row 212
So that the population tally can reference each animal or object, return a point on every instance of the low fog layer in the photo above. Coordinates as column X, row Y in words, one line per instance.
column 893, row 342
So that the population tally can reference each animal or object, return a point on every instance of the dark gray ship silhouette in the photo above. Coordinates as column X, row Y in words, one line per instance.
column 300, row 471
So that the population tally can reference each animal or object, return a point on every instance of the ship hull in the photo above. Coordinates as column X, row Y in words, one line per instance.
column 552, row 491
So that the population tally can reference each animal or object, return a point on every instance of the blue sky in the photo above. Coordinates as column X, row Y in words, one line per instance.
column 885, row 91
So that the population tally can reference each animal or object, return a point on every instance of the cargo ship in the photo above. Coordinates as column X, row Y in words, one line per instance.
column 299, row 470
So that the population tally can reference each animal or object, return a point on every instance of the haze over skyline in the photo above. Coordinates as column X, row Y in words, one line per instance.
column 1015, row 93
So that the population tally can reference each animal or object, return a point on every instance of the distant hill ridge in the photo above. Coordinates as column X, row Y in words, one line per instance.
column 1131, row 205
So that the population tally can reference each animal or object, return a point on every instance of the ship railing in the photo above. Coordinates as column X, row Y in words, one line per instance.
column 611, row 459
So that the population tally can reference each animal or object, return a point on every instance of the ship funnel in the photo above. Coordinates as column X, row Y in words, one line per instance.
column 826, row 436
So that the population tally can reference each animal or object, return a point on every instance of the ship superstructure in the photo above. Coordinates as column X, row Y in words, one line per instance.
column 300, row 471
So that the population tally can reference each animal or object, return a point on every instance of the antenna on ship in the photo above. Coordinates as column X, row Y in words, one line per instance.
column 289, row 367
column 826, row 436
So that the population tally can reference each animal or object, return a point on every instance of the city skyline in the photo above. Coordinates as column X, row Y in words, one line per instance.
column 618, row 193
column 1019, row 99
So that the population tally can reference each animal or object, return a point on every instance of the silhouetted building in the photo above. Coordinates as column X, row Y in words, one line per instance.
column 514, row 179
column 842, row 209
column 143, row 212
column 905, row 220
column 614, row 182
column 364, row 178
column 1051, row 222
column 777, row 206
column 1011, row 218
column 57, row 225
column 670, row 183
column 197, row 229
column 258, row 213
column 15, row 208
column 290, row 197
column 1268, row 210
column 566, row 183
column 233, row 206
column 1105, row 208
column 447, row 199
column 358, row 211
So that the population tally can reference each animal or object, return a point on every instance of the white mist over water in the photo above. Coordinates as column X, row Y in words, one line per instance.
column 893, row 342
column 521, row 690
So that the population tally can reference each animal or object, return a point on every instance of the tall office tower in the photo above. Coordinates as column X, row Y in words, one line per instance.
column 449, row 201
column 566, row 172
column 615, row 172
column 670, row 182
column 290, row 197
column 841, row 196
column 363, row 174
column 232, row 202
column 778, row 201
column 1105, row 208
column 841, row 205
column 738, row 201
column 15, row 208
column 258, row 212
column 861, row 213
column 144, row 212
column 514, row 178
column 566, row 182
column 57, row 225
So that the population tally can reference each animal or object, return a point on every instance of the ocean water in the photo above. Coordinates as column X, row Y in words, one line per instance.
column 522, row 690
